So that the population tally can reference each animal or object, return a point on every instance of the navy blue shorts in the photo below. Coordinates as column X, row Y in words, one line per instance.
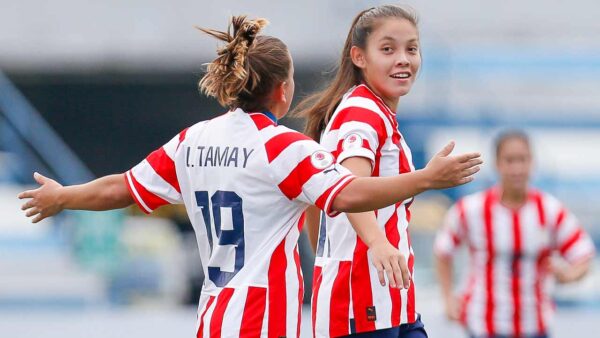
column 414, row 330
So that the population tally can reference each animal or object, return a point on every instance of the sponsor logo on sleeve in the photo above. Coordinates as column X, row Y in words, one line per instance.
column 352, row 141
column 321, row 159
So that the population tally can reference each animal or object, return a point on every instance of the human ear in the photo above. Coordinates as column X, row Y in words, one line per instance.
column 358, row 57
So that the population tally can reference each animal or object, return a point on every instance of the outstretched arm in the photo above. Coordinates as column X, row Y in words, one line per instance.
column 105, row 193
column 443, row 171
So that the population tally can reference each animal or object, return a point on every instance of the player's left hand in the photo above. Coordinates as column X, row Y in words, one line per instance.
column 43, row 202
column 388, row 260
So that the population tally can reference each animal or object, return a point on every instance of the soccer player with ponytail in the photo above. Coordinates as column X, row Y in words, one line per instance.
column 245, row 182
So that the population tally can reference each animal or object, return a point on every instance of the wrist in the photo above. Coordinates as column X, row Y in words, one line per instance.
column 424, row 179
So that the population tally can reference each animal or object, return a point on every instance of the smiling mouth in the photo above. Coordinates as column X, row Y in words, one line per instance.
column 401, row 76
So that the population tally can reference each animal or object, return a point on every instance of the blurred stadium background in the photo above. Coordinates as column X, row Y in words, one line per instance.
column 89, row 88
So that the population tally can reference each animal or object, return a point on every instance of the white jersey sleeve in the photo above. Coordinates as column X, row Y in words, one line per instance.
column 153, row 182
column 571, row 240
column 453, row 231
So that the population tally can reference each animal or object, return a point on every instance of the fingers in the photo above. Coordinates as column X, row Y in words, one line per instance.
column 405, row 272
column 27, row 194
column 31, row 212
column 397, row 273
column 462, row 158
column 41, row 179
column 447, row 149
column 38, row 218
column 28, row 204
column 390, row 274
column 380, row 274
column 470, row 163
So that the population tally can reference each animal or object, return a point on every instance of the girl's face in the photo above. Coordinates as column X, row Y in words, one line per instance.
column 391, row 59
column 514, row 163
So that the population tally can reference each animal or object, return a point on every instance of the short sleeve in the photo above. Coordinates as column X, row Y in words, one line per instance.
column 153, row 182
column 303, row 170
column 452, row 232
column 571, row 240
column 358, row 131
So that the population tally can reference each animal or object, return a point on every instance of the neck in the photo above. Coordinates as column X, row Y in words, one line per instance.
column 513, row 197
column 392, row 103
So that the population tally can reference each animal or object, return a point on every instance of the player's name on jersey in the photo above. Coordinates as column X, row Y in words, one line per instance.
column 217, row 156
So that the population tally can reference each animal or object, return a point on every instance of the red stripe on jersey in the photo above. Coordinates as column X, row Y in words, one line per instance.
column 291, row 186
column 516, row 273
column 393, row 236
column 570, row 242
column 317, row 278
column 279, row 143
column 201, row 327
column 277, row 292
column 261, row 121
column 489, row 267
column 359, row 114
column 150, row 199
column 164, row 166
column 537, row 197
column 339, row 310
column 362, row 294
column 300, row 283
column 216, row 321
column 182, row 135
column 339, row 149
column 411, row 314
column 254, row 312
column 560, row 218
column 322, row 200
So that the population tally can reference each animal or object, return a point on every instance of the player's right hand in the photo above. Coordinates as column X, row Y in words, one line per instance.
column 389, row 261
column 43, row 202
column 447, row 171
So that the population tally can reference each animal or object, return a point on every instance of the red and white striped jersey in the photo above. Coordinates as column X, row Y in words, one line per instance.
column 347, row 295
column 507, row 289
column 245, row 183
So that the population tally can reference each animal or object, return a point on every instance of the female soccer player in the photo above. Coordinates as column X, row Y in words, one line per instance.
column 355, row 119
column 511, row 230
column 245, row 182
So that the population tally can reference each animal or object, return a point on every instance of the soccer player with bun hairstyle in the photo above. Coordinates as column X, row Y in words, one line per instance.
column 354, row 118
column 245, row 182
column 512, row 231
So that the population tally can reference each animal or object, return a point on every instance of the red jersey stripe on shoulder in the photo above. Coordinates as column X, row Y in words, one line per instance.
column 182, row 136
column 359, row 114
column 366, row 92
column 277, row 292
column 280, row 142
column 571, row 241
column 216, row 321
column 200, row 332
column 559, row 219
column 331, row 193
column 291, row 186
column 144, row 198
column 539, row 202
column 254, row 312
column 261, row 121
column 340, row 302
column 164, row 166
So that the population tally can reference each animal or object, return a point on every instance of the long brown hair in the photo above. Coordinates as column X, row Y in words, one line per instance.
column 318, row 107
column 247, row 68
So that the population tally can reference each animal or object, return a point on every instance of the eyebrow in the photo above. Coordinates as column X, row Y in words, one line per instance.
column 389, row 38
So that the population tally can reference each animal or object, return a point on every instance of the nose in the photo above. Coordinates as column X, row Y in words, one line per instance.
column 403, row 60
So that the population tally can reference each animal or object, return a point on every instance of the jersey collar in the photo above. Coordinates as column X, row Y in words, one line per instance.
column 270, row 116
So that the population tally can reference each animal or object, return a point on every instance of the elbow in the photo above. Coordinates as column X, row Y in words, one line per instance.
column 348, row 202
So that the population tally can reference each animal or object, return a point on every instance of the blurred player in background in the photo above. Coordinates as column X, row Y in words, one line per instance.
column 512, row 231
column 245, row 182
column 355, row 119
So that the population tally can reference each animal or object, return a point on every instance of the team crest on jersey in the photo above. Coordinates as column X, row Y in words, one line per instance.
column 352, row 141
column 321, row 159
